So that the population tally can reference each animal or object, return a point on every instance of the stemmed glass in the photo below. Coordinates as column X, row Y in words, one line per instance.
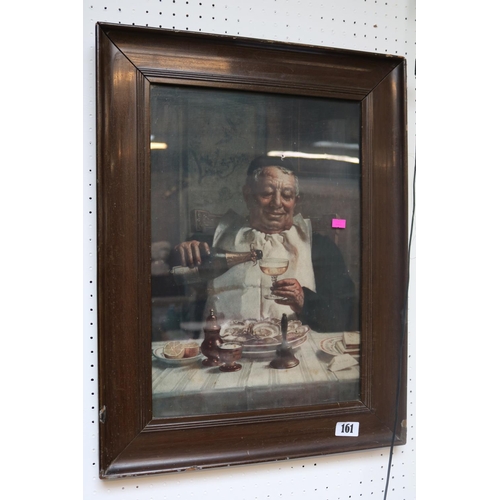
column 273, row 268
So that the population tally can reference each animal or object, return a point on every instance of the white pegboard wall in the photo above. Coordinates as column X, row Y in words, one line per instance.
column 370, row 25
column 366, row 25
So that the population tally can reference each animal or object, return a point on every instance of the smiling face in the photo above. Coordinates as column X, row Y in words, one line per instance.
column 271, row 199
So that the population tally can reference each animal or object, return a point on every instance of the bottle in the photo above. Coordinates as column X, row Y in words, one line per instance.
column 213, row 265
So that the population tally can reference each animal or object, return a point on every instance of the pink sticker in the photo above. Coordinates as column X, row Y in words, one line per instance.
column 338, row 223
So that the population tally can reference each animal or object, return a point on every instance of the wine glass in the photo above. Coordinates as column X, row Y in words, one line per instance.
column 273, row 268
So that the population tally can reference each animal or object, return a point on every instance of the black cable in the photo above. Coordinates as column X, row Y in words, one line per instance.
column 403, row 336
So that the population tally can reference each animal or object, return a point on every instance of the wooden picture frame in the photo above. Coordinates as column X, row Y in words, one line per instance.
column 129, row 61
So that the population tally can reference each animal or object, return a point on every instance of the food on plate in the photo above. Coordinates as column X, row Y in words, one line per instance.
column 295, row 334
column 235, row 322
column 336, row 346
column 173, row 350
column 294, row 324
column 351, row 340
column 177, row 349
column 253, row 334
column 191, row 349
column 264, row 329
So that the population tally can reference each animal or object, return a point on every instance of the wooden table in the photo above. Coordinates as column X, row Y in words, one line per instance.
column 198, row 390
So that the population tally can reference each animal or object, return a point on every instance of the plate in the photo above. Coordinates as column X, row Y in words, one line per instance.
column 328, row 346
column 261, row 338
column 266, row 351
column 158, row 354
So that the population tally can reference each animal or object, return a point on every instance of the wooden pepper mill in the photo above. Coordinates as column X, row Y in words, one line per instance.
column 284, row 354
column 211, row 342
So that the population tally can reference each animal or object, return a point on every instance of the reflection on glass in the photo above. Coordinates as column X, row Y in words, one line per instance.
column 206, row 197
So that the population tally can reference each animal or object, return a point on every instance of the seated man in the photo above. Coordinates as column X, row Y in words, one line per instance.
column 316, row 288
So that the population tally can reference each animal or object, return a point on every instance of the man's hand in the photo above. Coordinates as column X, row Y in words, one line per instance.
column 189, row 253
column 292, row 293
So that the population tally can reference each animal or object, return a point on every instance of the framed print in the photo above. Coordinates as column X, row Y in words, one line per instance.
column 202, row 198
column 252, row 262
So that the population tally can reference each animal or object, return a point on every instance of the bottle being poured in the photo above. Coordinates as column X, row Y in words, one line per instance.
column 216, row 263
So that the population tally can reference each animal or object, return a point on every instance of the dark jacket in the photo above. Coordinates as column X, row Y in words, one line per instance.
column 331, row 307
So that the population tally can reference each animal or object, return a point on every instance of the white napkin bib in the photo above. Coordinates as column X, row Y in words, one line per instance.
column 239, row 293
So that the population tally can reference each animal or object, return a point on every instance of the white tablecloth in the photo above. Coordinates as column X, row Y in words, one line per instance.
column 198, row 390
